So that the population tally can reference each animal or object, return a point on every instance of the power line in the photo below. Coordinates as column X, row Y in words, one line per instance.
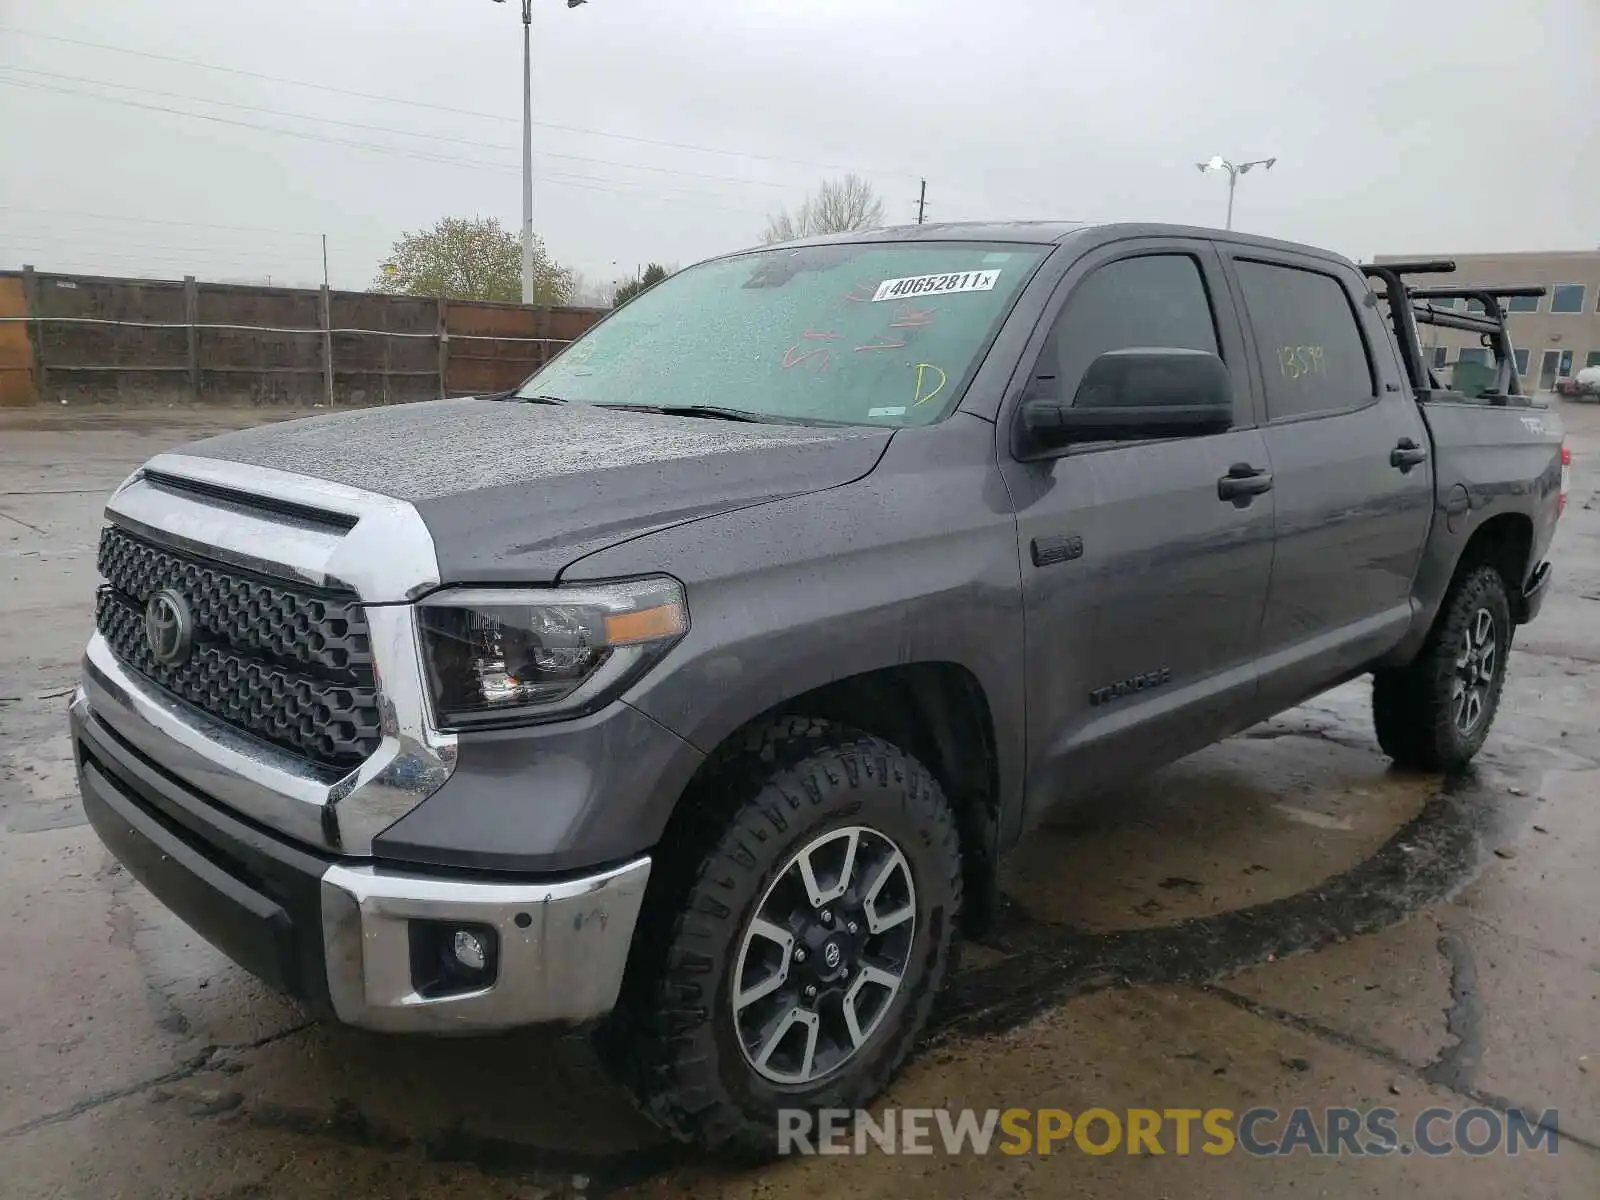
column 297, row 133
column 69, row 243
column 260, row 261
column 91, row 234
column 136, row 250
column 373, row 147
column 278, row 112
column 430, row 106
column 73, row 212
column 460, row 112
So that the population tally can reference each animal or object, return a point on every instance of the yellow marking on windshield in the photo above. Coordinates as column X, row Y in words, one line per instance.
column 924, row 378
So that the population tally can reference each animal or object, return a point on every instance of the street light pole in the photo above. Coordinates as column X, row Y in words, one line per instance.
column 527, row 144
column 1218, row 163
column 527, row 152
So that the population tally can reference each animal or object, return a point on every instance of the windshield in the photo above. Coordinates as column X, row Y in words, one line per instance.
column 873, row 334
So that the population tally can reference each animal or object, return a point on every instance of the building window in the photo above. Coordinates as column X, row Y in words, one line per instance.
column 1566, row 298
column 1522, row 304
column 1476, row 306
column 1593, row 360
column 1444, row 302
column 1522, row 362
column 1441, row 355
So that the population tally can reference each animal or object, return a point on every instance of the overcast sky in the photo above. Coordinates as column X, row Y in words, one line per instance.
column 672, row 126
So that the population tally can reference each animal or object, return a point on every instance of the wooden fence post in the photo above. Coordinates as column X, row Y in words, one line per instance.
column 327, row 348
column 444, row 348
column 30, row 303
column 388, row 308
column 191, row 316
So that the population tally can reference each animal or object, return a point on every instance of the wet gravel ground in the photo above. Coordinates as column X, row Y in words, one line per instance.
column 1279, row 920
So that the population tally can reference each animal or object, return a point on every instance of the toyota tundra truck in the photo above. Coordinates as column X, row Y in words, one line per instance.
column 691, row 691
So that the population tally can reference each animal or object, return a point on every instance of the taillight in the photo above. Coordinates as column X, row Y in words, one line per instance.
column 1566, row 477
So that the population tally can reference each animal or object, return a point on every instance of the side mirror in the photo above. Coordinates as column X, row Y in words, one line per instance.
column 1137, row 393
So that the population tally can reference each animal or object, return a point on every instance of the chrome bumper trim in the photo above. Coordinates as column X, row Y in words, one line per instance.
column 562, row 962
column 270, row 785
column 250, row 777
column 387, row 557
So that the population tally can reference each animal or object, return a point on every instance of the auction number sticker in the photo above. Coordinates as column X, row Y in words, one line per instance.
column 936, row 285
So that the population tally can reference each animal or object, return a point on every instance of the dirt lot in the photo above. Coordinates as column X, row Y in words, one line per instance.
column 1280, row 920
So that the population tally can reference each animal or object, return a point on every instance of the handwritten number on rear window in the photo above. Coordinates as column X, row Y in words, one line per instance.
column 1301, row 362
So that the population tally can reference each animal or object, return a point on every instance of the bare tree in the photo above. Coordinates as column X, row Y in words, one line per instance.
column 837, row 206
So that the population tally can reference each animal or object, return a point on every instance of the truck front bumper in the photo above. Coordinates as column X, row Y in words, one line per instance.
column 360, row 939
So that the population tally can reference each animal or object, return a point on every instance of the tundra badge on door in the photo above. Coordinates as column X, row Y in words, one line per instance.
column 1134, row 683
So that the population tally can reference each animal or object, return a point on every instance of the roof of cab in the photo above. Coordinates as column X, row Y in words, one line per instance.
column 1041, row 233
column 1036, row 233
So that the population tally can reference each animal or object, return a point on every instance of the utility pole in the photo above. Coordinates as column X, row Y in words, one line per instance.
column 922, row 202
column 324, row 260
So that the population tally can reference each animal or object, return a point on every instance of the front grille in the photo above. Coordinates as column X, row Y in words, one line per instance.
column 288, row 664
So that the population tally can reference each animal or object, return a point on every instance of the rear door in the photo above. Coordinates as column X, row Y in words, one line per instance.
column 1352, row 487
column 1143, row 588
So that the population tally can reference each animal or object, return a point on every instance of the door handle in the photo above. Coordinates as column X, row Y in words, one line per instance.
column 1407, row 454
column 1242, row 483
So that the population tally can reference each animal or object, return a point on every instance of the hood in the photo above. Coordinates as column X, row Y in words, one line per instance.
column 513, row 492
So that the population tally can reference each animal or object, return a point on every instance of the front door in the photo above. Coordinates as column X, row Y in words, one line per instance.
column 1352, row 486
column 1143, row 590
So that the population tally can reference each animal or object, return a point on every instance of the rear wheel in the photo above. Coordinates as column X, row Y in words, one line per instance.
column 1435, row 713
column 801, row 923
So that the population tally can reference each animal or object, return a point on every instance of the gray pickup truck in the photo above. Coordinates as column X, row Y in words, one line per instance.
column 694, row 688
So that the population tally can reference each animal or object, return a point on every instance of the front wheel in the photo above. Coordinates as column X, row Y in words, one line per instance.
column 793, row 944
column 1434, row 713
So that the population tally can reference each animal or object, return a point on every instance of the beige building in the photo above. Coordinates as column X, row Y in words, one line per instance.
column 1556, row 335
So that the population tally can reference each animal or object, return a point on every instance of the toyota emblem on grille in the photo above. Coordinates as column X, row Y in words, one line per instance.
column 832, row 955
column 169, row 628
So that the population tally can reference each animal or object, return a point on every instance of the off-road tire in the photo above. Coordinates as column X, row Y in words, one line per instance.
column 671, row 1039
column 1412, row 706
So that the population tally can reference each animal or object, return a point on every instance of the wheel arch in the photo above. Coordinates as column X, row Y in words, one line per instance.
column 936, row 711
column 1504, row 542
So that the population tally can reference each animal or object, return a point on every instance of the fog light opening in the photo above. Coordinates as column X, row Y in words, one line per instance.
column 449, row 958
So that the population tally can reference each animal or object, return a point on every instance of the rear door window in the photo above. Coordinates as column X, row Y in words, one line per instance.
column 1313, row 356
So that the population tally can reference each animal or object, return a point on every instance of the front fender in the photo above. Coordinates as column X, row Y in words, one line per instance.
column 917, row 562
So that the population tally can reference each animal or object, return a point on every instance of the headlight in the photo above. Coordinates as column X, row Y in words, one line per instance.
column 496, row 656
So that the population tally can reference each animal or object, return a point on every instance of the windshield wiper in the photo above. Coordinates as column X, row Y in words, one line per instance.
column 513, row 395
column 716, row 413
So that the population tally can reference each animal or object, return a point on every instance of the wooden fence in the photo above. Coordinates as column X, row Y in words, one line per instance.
column 91, row 339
